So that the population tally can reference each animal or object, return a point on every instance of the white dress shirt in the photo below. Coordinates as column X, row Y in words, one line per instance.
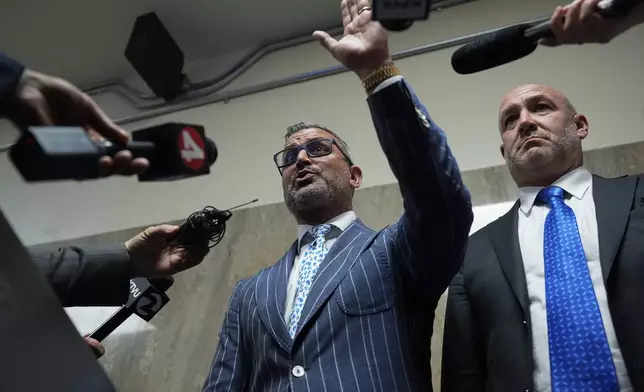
column 579, row 185
column 341, row 222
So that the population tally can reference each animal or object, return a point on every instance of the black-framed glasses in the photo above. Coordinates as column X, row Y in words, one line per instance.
column 314, row 148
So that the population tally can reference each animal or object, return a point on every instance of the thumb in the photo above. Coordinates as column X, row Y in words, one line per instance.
column 550, row 42
column 325, row 40
column 162, row 230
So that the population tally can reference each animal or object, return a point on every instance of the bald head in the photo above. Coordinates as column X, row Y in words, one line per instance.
column 541, row 133
column 543, row 89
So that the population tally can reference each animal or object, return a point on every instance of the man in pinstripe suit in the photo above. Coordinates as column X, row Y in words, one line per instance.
column 348, row 308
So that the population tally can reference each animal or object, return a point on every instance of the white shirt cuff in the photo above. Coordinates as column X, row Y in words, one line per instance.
column 387, row 83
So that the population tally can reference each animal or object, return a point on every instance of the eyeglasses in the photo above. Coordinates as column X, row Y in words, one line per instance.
column 314, row 148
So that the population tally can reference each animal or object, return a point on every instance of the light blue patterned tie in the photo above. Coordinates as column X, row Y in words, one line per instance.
column 309, row 265
column 580, row 358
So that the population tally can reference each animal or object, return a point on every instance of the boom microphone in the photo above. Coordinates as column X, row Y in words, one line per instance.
column 147, row 297
column 175, row 151
column 515, row 42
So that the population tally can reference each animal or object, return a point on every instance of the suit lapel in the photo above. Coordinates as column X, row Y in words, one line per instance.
column 271, row 297
column 334, row 267
column 613, row 200
column 505, row 241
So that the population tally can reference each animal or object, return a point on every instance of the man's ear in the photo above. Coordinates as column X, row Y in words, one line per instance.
column 356, row 176
column 582, row 126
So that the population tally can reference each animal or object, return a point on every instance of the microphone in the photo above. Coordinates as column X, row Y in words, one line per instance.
column 399, row 15
column 175, row 151
column 147, row 297
column 207, row 225
column 515, row 42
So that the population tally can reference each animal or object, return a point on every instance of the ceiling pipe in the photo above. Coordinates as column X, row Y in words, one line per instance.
column 213, row 85
column 205, row 87
column 300, row 78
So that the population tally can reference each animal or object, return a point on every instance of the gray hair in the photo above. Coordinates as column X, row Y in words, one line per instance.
column 295, row 128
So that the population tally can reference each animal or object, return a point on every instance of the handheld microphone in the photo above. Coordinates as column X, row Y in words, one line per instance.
column 147, row 297
column 207, row 225
column 399, row 15
column 175, row 151
column 515, row 42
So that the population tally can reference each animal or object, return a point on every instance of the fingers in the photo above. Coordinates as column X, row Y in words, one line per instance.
column 96, row 347
column 549, row 42
column 325, row 40
column 346, row 15
column 162, row 230
column 588, row 9
column 352, row 5
column 98, row 120
column 122, row 161
column 572, row 15
column 105, row 165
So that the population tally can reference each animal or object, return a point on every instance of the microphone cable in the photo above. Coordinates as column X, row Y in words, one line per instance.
column 209, row 224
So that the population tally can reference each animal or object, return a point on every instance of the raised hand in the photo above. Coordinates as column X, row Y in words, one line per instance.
column 364, row 46
column 578, row 23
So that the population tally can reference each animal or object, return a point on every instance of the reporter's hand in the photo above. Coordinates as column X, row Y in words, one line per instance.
column 96, row 347
column 578, row 23
column 153, row 255
column 46, row 100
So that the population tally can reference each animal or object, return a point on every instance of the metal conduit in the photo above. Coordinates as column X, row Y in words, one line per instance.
column 210, row 86
column 225, row 96
column 204, row 87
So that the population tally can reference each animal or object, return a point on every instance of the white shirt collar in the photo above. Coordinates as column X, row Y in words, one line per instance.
column 341, row 221
column 575, row 182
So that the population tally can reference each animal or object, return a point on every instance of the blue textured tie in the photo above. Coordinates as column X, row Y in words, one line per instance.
column 310, row 263
column 580, row 358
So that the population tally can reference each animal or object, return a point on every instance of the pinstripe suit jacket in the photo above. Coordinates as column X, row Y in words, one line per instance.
column 368, row 320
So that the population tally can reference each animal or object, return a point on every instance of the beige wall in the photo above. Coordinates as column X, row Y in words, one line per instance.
column 604, row 82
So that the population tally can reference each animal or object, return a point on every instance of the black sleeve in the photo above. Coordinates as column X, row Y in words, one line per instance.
column 92, row 277
column 10, row 73
column 462, row 367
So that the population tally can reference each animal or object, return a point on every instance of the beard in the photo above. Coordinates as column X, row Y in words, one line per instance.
column 320, row 193
column 538, row 157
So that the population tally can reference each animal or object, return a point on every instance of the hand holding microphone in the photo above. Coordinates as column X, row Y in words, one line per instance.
column 152, row 254
column 579, row 23
column 41, row 99
column 515, row 42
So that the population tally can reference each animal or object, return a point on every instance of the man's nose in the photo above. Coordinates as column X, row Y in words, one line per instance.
column 303, row 159
column 526, row 123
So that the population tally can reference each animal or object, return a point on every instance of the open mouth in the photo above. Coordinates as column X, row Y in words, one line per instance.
column 304, row 176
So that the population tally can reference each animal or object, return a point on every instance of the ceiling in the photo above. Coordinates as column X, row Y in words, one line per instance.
column 84, row 40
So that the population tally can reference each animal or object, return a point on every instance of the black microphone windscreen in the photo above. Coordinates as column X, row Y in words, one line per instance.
column 497, row 48
column 211, row 151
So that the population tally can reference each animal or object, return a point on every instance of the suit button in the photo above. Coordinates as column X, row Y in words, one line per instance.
column 298, row 371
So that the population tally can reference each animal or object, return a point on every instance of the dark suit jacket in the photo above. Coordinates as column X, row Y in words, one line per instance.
column 10, row 73
column 92, row 277
column 488, row 337
column 368, row 320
